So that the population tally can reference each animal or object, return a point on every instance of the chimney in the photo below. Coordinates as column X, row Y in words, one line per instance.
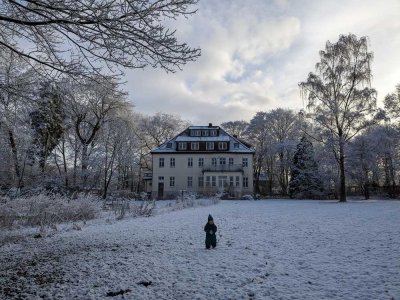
column 209, row 124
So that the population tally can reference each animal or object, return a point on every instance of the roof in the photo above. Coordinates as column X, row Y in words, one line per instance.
column 222, row 138
column 241, row 146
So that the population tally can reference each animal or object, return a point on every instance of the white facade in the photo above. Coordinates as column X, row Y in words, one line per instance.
column 202, row 164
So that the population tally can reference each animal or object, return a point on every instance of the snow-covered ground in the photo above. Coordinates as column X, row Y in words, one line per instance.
column 275, row 249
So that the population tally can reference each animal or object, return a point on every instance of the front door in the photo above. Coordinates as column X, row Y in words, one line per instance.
column 160, row 190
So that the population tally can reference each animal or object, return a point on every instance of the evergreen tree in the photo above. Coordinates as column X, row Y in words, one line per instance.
column 305, row 180
column 47, row 123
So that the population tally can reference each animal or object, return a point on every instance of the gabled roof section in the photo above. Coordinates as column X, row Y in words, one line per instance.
column 235, row 145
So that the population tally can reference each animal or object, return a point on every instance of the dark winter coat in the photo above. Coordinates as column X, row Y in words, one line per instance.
column 211, row 239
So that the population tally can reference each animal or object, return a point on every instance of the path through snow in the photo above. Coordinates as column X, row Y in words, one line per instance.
column 266, row 250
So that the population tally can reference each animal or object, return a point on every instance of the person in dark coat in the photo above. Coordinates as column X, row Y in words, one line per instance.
column 210, row 229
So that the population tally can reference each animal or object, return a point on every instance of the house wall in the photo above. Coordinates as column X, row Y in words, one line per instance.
column 181, row 172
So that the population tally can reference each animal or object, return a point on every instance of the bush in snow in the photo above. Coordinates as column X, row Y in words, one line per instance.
column 305, row 182
column 45, row 210
column 247, row 197
column 125, row 207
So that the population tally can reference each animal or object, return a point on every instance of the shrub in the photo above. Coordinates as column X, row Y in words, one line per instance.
column 46, row 210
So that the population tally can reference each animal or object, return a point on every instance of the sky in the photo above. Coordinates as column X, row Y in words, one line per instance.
column 255, row 52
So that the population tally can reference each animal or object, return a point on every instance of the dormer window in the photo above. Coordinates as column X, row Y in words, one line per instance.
column 222, row 145
column 197, row 133
column 210, row 146
column 236, row 145
column 169, row 145
column 182, row 146
column 204, row 133
column 213, row 132
column 194, row 146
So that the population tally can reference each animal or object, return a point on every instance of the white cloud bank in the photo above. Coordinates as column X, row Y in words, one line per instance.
column 254, row 54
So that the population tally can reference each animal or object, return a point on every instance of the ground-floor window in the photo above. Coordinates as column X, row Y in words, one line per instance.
column 172, row 181
column 237, row 181
column 222, row 181
column 201, row 181
column 190, row 181
column 245, row 182
column 214, row 181
column 208, row 181
column 231, row 180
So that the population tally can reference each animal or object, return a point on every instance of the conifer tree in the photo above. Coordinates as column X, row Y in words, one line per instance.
column 305, row 180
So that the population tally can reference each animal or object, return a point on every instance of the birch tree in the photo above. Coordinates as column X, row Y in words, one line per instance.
column 341, row 101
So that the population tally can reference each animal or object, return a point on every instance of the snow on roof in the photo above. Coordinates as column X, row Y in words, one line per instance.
column 202, row 127
column 235, row 144
column 221, row 138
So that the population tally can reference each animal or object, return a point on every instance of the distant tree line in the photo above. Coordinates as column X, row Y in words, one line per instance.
column 351, row 145
column 73, row 134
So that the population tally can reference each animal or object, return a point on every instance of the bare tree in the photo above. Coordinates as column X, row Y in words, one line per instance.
column 237, row 128
column 392, row 104
column 341, row 101
column 83, row 37
column 17, row 86
column 89, row 105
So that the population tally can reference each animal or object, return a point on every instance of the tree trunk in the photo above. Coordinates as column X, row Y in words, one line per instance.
column 15, row 153
column 65, row 163
column 342, row 193
column 84, row 165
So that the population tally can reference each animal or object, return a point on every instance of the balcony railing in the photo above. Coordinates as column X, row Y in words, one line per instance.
column 223, row 168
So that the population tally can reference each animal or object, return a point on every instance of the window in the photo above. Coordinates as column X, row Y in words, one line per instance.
column 210, row 146
column 195, row 146
column 214, row 161
column 172, row 181
column 169, row 145
column 191, row 132
column 245, row 162
column 201, row 162
column 204, row 133
column 208, row 182
column 245, row 182
column 222, row 145
column 231, row 160
column 160, row 178
column 182, row 146
column 190, row 162
column 190, row 181
column 172, row 162
column 222, row 181
column 231, row 180
column 213, row 132
column 237, row 181
column 236, row 145
column 197, row 133
column 222, row 160
column 213, row 180
column 201, row 181
column 161, row 162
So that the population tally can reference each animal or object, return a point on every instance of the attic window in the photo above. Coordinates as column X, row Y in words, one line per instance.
column 197, row 133
column 182, row 146
column 205, row 133
column 222, row 145
column 236, row 145
column 169, row 145
column 213, row 132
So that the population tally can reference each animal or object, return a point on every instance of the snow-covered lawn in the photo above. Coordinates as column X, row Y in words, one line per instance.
column 266, row 250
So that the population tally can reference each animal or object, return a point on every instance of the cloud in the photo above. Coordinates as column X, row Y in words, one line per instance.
column 254, row 54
